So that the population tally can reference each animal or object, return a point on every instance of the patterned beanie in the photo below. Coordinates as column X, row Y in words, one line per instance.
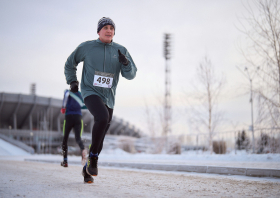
column 105, row 21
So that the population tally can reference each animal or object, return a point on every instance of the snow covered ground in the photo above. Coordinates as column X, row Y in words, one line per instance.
column 240, row 159
column 36, row 179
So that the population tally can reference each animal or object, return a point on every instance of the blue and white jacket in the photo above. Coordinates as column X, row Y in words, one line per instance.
column 73, row 102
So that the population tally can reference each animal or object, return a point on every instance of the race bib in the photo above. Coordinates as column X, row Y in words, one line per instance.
column 103, row 79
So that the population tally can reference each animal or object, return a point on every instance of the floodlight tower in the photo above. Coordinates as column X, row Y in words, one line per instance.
column 33, row 89
column 167, row 98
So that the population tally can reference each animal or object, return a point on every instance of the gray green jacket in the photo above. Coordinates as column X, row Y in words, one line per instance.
column 102, row 57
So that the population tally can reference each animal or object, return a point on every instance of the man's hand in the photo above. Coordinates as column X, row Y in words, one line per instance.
column 122, row 59
column 62, row 110
column 74, row 86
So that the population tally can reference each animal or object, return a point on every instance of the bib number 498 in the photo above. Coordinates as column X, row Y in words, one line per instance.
column 102, row 79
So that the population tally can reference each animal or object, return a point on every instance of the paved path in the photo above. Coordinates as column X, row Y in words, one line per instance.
column 34, row 179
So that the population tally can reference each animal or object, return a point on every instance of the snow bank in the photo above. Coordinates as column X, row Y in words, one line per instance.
column 8, row 149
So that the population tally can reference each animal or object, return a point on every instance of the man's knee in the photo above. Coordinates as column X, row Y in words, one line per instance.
column 103, row 121
column 80, row 143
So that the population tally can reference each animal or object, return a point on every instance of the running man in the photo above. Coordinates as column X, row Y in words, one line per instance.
column 104, row 60
column 71, row 107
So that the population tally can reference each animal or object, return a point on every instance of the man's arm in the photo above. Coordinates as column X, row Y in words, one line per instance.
column 128, row 71
column 64, row 102
column 72, row 62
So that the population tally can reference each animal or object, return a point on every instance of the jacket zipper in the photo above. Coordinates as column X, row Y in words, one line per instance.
column 104, row 58
column 104, row 67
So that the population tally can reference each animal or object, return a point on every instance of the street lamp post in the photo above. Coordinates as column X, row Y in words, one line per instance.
column 252, row 116
column 250, row 77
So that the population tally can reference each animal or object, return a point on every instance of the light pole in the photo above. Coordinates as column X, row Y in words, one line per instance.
column 167, row 98
column 250, row 77
column 31, row 139
column 252, row 115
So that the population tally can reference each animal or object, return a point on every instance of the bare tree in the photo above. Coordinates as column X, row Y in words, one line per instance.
column 150, row 121
column 156, row 125
column 262, row 30
column 205, row 115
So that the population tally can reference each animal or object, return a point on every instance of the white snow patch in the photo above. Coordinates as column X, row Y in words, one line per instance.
column 8, row 149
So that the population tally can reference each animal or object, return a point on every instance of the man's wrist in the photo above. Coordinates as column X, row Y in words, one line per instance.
column 72, row 82
column 127, row 62
column 74, row 86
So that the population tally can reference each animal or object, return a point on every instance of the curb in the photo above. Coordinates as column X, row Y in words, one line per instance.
column 251, row 172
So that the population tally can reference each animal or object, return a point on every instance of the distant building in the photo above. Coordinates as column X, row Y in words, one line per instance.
column 27, row 117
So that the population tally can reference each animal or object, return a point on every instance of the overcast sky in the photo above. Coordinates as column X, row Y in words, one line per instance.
column 36, row 38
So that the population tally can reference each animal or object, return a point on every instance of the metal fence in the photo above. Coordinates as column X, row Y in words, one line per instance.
column 41, row 141
column 262, row 140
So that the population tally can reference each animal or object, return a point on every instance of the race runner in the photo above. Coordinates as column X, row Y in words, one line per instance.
column 103, row 61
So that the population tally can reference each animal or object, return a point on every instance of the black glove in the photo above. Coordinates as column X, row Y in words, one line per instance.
column 122, row 59
column 74, row 86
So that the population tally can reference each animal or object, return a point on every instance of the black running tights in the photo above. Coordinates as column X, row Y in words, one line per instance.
column 72, row 121
column 102, row 118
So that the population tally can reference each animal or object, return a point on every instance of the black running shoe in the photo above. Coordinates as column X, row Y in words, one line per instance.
column 87, row 177
column 64, row 164
column 92, row 166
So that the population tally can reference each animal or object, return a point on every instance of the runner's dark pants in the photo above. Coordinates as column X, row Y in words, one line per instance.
column 72, row 121
column 102, row 118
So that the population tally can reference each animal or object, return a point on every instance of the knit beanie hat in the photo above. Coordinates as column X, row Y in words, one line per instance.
column 105, row 21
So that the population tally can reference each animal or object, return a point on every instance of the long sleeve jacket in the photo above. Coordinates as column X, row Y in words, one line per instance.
column 99, row 59
column 73, row 103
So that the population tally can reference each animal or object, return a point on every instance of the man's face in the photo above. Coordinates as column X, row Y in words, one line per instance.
column 106, row 34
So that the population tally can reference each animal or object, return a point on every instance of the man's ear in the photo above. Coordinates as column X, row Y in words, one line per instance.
column 98, row 33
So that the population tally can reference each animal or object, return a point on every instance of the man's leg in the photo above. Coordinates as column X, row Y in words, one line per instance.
column 101, row 118
column 107, row 127
column 78, row 129
column 67, row 126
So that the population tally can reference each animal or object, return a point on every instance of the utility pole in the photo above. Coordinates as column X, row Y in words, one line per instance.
column 167, row 98
column 250, row 77
column 252, row 115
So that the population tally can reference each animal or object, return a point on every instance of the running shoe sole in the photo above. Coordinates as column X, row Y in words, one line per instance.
column 87, row 180
column 64, row 165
